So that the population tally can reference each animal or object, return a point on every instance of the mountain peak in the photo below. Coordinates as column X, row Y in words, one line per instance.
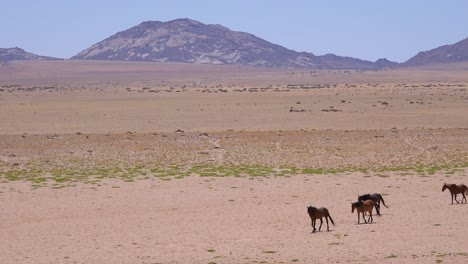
column 179, row 21
column 189, row 41
column 14, row 49
column 186, row 21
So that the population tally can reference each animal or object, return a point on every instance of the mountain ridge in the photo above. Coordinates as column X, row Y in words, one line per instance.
column 457, row 52
column 190, row 41
column 11, row 54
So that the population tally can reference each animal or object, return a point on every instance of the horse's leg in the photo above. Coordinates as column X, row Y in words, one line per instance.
column 364, row 217
column 321, row 222
column 464, row 197
column 358, row 217
column 370, row 216
column 377, row 208
column 456, row 198
column 326, row 219
column 313, row 225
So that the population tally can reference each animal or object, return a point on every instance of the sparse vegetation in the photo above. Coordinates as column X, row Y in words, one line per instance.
column 58, row 175
column 67, row 177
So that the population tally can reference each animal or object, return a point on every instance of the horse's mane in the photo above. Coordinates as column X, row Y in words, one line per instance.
column 370, row 196
column 311, row 209
column 364, row 197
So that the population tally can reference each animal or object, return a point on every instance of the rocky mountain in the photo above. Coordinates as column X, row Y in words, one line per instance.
column 185, row 40
column 11, row 54
column 189, row 41
column 457, row 52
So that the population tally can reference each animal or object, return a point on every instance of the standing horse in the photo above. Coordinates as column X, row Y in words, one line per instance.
column 456, row 189
column 319, row 213
column 376, row 197
column 363, row 207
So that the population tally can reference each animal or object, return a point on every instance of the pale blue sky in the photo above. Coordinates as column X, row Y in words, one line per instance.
column 366, row 29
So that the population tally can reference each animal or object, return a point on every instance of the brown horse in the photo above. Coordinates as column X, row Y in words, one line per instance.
column 319, row 213
column 376, row 197
column 456, row 189
column 363, row 207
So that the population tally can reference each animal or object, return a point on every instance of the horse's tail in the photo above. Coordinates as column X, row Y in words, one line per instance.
column 329, row 216
column 381, row 198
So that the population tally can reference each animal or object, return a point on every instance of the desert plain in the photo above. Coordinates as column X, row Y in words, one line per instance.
column 124, row 162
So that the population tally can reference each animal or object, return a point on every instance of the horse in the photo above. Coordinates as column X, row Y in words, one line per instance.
column 319, row 213
column 363, row 207
column 456, row 189
column 376, row 197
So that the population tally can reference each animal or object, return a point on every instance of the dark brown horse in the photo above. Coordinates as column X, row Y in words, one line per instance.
column 456, row 189
column 363, row 207
column 376, row 197
column 319, row 213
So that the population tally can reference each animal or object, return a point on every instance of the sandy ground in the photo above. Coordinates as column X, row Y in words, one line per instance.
column 233, row 220
column 343, row 108
column 105, row 97
column 98, row 163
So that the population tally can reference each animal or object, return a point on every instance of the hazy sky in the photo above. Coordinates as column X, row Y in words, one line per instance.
column 366, row 29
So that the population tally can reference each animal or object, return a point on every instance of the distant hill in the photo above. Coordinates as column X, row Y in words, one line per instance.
column 332, row 61
column 12, row 54
column 457, row 52
column 189, row 41
column 384, row 63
